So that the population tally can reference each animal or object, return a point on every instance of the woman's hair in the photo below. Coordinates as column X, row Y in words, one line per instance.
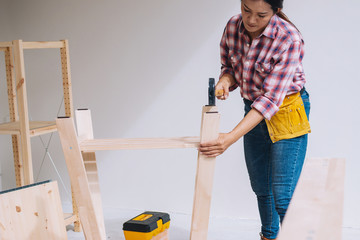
column 276, row 6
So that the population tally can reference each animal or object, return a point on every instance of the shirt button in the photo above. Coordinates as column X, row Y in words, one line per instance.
column 247, row 63
column 244, row 80
column 262, row 70
column 248, row 45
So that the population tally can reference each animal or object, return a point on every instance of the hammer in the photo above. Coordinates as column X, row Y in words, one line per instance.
column 212, row 93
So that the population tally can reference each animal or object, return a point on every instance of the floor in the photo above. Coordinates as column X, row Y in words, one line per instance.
column 219, row 228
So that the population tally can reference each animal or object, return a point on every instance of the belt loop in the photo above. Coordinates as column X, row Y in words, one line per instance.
column 302, row 90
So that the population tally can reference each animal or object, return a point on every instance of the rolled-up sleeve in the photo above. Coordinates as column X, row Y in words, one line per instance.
column 226, row 67
column 277, row 82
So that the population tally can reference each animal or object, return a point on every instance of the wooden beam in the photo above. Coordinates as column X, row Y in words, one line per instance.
column 4, row 45
column 39, row 45
column 66, row 75
column 316, row 209
column 79, row 181
column 32, row 212
column 23, row 112
column 36, row 127
column 68, row 104
column 204, row 176
column 85, row 131
column 139, row 143
column 13, row 112
column 70, row 218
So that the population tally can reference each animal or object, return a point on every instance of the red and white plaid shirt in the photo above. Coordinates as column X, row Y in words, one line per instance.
column 267, row 69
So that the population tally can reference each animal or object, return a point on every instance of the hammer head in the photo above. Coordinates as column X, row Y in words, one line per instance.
column 211, row 92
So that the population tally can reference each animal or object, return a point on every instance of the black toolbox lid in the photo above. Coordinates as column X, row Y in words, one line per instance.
column 147, row 225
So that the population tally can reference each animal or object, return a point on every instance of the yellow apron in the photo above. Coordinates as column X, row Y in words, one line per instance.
column 290, row 121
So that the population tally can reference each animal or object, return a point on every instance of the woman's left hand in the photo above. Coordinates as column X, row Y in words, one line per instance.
column 217, row 147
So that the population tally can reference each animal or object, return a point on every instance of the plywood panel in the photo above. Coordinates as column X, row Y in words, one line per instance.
column 316, row 210
column 32, row 213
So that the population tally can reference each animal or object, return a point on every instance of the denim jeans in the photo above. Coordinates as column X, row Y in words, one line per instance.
column 274, row 169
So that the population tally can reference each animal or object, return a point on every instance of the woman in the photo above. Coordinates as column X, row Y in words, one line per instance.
column 261, row 53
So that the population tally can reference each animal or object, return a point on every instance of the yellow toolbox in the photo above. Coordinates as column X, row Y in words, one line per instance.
column 146, row 225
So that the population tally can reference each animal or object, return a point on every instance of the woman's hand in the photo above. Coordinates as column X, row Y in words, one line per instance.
column 225, row 82
column 217, row 147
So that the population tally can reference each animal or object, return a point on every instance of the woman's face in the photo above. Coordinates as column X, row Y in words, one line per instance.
column 256, row 15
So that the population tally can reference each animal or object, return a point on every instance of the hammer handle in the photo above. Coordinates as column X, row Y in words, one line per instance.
column 219, row 92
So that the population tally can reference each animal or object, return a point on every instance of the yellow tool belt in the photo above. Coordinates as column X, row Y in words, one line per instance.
column 290, row 121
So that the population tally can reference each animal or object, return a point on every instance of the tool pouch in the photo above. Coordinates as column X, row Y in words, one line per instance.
column 290, row 121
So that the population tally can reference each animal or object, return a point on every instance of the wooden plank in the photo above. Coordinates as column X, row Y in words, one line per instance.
column 32, row 213
column 13, row 112
column 79, row 181
column 5, row 44
column 70, row 218
column 139, row 143
column 204, row 176
column 23, row 112
column 68, row 104
column 316, row 210
column 66, row 75
column 36, row 127
column 85, row 131
column 43, row 44
column 42, row 127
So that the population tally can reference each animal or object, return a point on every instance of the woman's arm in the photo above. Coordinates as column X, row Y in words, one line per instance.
column 225, row 140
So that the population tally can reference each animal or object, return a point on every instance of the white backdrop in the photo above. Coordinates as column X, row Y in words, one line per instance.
column 142, row 67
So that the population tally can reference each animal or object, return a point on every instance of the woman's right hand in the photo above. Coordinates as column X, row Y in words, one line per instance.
column 225, row 82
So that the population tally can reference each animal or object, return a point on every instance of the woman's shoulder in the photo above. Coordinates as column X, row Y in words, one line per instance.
column 234, row 20
column 288, row 31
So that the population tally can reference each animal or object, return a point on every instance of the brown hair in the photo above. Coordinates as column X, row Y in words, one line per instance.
column 277, row 6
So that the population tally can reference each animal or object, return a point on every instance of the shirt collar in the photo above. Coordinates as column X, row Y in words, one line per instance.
column 270, row 29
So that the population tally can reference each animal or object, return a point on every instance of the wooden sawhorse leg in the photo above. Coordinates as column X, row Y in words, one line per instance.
column 91, row 222
column 85, row 132
column 85, row 179
column 204, row 176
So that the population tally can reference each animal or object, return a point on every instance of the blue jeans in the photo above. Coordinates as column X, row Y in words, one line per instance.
column 274, row 169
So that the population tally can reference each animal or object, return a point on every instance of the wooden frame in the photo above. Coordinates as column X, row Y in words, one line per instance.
column 316, row 209
column 19, row 126
column 88, row 198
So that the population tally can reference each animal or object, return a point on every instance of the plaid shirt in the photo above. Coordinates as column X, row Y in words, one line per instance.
column 267, row 69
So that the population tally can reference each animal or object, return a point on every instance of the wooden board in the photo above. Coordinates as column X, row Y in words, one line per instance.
column 89, row 219
column 32, row 213
column 4, row 45
column 36, row 127
column 23, row 112
column 70, row 218
column 13, row 110
column 66, row 76
column 44, row 44
column 204, row 176
column 316, row 210
column 85, row 131
column 139, row 143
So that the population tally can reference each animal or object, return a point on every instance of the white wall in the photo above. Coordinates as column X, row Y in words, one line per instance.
column 142, row 68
